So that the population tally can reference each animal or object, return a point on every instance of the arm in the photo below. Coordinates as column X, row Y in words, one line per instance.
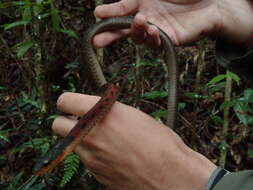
column 132, row 150
column 129, row 146
column 184, row 21
column 180, row 19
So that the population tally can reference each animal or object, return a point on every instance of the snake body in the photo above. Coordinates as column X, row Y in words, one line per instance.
column 103, row 106
column 170, row 59
column 78, row 132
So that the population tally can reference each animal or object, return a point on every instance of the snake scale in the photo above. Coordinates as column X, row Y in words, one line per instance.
column 103, row 106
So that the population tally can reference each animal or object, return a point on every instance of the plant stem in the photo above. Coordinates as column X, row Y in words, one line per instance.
column 138, row 77
column 100, row 51
column 39, row 67
column 200, row 59
column 223, row 150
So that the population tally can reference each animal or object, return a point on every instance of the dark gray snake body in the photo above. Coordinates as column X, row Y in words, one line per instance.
column 170, row 60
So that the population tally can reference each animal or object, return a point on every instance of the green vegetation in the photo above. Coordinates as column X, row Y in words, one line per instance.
column 40, row 50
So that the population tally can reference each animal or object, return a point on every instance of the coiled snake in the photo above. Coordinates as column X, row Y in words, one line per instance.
column 103, row 106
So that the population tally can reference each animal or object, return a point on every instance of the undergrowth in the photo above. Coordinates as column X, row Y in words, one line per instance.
column 40, row 59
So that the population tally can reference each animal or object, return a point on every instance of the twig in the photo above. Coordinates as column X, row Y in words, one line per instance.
column 189, row 125
column 27, row 181
column 200, row 65
column 223, row 151
column 138, row 78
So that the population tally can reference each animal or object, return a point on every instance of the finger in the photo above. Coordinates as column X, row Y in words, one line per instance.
column 79, row 104
column 87, row 151
column 103, row 39
column 153, row 39
column 76, row 104
column 62, row 126
column 139, row 29
column 121, row 8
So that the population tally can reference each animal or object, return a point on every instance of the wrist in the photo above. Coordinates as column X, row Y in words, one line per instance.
column 191, row 170
column 236, row 18
column 199, row 169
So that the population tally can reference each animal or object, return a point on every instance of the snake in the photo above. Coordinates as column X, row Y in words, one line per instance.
column 100, row 110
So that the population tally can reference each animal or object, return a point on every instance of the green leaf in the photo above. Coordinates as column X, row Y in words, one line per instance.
column 217, row 87
column 216, row 119
column 234, row 77
column 160, row 113
column 2, row 88
column 23, row 48
column 71, row 164
column 181, row 106
column 223, row 146
column 248, row 95
column 27, row 14
column 15, row 24
column 228, row 104
column 43, row 16
column 30, row 183
column 195, row 95
column 4, row 138
column 39, row 186
column 41, row 144
column 55, row 18
column 11, row 4
column 241, row 112
column 3, row 157
column 155, row 94
column 52, row 117
column 14, row 183
column 38, row 8
column 70, row 33
column 216, row 79
column 250, row 153
column 144, row 63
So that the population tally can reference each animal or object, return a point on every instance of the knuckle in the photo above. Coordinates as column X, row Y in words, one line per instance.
column 90, row 142
column 122, row 6
column 93, row 164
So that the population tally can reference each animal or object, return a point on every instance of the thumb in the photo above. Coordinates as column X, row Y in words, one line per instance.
column 121, row 8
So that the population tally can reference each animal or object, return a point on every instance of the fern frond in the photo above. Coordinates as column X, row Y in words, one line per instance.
column 70, row 167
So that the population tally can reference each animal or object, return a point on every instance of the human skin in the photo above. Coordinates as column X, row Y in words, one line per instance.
column 129, row 150
column 184, row 21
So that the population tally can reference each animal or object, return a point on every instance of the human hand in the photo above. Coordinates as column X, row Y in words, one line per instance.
column 131, row 150
column 183, row 20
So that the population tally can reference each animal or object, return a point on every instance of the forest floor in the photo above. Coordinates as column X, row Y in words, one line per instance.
column 38, row 62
